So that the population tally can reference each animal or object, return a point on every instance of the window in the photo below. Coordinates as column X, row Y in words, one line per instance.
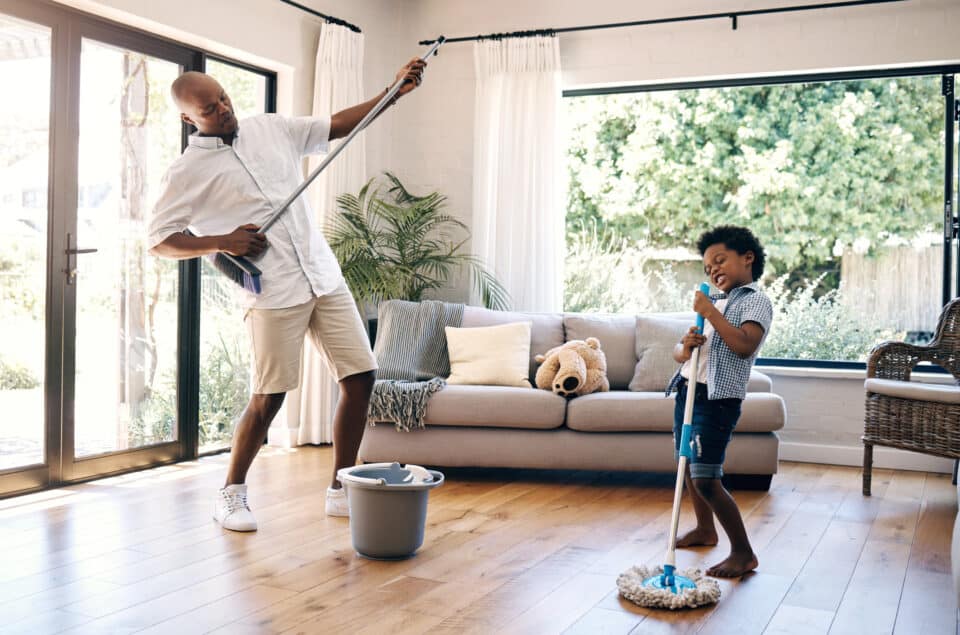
column 841, row 180
column 224, row 350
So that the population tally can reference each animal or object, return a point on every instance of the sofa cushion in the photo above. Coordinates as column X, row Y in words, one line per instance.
column 941, row 393
column 489, row 355
column 496, row 407
column 625, row 411
column 656, row 337
column 617, row 334
column 546, row 328
column 759, row 382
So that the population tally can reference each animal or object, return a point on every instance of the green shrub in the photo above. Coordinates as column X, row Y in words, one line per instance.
column 16, row 376
column 606, row 274
column 224, row 391
column 809, row 323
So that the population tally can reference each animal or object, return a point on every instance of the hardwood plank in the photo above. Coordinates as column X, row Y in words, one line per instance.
column 821, row 583
column 600, row 621
column 562, row 607
column 926, row 603
column 870, row 601
column 750, row 607
column 221, row 612
column 796, row 620
column 934, row 529
column 366, row 609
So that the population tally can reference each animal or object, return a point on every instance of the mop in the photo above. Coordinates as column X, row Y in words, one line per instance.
column 664, row 587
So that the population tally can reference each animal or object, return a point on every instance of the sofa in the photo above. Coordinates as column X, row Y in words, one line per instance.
column 619, row 430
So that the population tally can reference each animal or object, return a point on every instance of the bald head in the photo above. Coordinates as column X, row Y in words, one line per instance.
column 204, row 104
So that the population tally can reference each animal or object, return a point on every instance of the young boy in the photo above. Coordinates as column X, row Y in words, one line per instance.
column 735, row 325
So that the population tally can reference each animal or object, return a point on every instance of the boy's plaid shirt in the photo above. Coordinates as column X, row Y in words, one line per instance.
column 727, row 372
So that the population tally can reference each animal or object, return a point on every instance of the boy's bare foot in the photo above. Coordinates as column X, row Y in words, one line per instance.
column 734, row 566
column 698, row 537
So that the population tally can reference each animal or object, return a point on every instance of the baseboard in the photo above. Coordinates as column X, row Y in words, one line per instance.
column 885, row 458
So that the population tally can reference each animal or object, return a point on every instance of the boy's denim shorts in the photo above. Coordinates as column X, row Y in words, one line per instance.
column 713, row 424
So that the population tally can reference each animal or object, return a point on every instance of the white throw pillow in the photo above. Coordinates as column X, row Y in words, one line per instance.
column 490, row 355
column 657, row 336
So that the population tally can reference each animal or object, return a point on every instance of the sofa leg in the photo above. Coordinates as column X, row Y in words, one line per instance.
column 867, row 467
column 754, row 482
column 956, row 464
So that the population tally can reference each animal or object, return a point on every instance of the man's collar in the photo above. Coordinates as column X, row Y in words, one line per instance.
column 209, row 143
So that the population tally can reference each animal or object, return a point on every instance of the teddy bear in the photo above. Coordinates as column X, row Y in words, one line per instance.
column 577, row 367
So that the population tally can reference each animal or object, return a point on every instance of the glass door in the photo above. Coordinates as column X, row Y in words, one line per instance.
column 101, row 354
column 25, row 63
column 121, row 406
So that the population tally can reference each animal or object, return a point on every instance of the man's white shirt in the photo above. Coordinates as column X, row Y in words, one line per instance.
column 213, row 188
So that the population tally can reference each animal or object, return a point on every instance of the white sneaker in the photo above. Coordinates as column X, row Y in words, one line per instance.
column 337, row 502
column 231, row 510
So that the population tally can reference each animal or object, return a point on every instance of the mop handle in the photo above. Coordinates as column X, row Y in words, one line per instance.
column 275, row 216
column 685, row 451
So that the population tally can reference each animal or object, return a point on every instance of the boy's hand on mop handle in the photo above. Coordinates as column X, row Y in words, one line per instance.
column 703, row 305
column 693, row 339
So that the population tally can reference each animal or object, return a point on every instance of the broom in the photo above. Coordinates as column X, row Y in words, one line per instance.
column 664, row 587
column 240, row 269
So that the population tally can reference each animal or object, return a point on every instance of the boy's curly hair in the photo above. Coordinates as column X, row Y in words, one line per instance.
column 738, row 239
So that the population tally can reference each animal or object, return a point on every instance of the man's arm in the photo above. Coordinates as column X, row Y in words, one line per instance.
column 243, row 241
column 343, row 122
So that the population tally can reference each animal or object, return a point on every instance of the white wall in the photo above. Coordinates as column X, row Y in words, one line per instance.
column 279, row 37
column 434, row 146
column 825, row 411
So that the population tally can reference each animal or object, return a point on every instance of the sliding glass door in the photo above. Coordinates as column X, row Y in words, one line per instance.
column 100, row 358
column 124, row 302
column 25, row 62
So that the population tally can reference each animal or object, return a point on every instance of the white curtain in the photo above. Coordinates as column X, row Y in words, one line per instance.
column 338, row 84
column 518, row 214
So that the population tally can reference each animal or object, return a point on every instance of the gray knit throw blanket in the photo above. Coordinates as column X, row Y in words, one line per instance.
column 411, row 350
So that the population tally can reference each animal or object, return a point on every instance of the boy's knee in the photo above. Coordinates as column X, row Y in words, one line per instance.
column 708, row 488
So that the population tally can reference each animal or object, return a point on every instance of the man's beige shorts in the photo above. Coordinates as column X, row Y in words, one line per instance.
column 334, row 325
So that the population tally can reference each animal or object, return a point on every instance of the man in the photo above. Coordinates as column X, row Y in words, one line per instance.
column 223, row 187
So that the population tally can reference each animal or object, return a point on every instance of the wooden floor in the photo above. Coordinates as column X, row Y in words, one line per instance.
column 505, row 551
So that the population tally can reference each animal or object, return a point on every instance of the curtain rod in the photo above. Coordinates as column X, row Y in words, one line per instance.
column 328, row 18
column 731, row 15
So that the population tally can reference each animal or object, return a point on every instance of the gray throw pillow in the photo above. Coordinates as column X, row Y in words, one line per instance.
column 657, row 335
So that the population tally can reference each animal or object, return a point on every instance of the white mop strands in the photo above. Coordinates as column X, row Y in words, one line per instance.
column 630, row 584
column 664, row 587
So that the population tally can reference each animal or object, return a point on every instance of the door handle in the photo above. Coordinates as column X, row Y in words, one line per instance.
column 72, row 252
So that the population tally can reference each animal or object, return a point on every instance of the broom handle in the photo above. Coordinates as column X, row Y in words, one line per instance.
column 343, row 144
column 671, row 557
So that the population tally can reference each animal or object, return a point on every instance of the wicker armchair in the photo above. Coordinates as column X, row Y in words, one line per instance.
column 911, row 415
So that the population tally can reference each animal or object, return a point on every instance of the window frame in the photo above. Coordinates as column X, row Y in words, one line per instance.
column 943, row 70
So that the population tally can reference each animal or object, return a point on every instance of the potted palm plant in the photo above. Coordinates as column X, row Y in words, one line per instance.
column 397, row 245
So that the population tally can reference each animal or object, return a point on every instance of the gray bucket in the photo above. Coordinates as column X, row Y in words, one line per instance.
column 388, row 507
